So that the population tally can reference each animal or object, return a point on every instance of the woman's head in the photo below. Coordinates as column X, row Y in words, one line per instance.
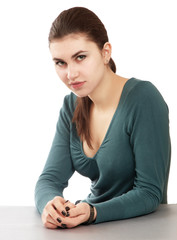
column 80, row 20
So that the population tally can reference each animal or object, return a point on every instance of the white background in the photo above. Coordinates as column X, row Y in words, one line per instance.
column 143, row 36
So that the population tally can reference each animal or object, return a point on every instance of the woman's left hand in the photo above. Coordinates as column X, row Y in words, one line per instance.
column 78, row 215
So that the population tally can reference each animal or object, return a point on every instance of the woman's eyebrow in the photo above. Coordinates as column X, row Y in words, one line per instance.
column 77, row 53
column 73, row 56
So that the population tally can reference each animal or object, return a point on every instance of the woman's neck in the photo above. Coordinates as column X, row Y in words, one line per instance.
column 106, row 95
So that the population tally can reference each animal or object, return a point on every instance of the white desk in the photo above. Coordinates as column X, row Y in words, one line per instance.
column 24, row 223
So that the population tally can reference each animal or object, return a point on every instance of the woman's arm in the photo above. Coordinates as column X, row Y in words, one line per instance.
column 150, row 141
column 55, row 210
column 58, row 168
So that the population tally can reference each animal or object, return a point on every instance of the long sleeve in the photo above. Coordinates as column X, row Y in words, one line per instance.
column 148, row 130
column 58, row 168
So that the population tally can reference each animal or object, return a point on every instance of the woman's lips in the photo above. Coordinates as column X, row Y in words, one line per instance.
column 77, row 84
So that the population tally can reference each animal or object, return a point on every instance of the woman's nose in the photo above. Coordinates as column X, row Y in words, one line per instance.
column 72, row 73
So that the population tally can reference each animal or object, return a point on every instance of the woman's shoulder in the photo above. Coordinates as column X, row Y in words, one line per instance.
column 142, row 90
column 70, row 100
column 69, row 104
column 140, row 86
column 143, row 96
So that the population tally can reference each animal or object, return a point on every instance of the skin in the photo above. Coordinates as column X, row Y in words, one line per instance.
column 84, row 69
column 55, row 215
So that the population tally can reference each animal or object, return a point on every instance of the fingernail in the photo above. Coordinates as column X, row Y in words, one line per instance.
column 67, row 208
column 64, row 213
column 66, row 201
column 64, row 225
column 59, row 227
column 67, row 214
column 59, row 220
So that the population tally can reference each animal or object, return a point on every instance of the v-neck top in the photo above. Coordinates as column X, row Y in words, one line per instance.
column 129, row 172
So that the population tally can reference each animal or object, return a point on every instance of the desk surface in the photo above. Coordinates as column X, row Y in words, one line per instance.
column 24, row 223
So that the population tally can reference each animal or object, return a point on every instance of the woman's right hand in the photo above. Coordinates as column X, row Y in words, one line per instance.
column 55, row 212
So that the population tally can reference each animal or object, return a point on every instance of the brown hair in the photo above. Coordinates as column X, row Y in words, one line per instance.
column 81, row 20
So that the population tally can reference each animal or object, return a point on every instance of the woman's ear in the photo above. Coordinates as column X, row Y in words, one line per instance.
column 106, row 52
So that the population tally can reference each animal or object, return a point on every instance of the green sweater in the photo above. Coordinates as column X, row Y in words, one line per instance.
column 129, row 172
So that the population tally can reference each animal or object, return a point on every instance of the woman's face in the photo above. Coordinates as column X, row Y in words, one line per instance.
column 79, row 63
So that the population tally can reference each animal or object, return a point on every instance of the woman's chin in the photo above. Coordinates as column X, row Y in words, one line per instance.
column 80, row 95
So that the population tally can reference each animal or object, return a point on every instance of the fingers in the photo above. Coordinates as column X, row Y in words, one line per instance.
column 49, row 222
column 50, row 225
column 78, row 214
column 73, row 222
column 80, row 209
column 59, row 213
column 58, row 205
column 68, row 205
column 50, row 215
column 56, row 212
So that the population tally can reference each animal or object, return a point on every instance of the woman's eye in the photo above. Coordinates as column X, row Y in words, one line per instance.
column 81, row 57
column 60, row 63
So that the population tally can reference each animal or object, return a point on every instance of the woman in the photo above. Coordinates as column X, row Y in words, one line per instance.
column 111, row 129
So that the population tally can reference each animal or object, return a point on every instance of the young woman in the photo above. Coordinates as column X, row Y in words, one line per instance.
column 111, row 129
